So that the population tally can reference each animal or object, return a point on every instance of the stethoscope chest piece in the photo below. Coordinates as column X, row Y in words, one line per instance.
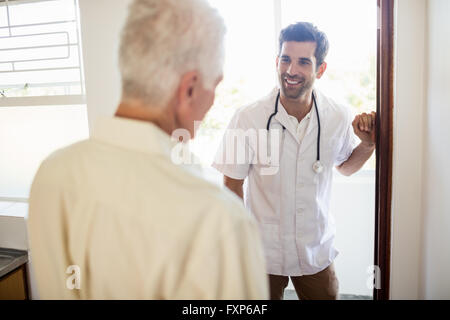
column 317, row 167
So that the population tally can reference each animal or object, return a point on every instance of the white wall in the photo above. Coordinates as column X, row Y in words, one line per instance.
column 436, row 174
column 410, row 83
column 101, row 22
column 421, row 180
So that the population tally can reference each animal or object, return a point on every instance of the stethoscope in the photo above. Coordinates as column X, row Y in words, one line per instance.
column 317, row 166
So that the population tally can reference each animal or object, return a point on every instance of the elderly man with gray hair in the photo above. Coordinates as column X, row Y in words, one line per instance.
column 112, row 217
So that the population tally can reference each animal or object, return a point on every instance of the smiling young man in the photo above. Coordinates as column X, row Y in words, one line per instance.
column 316, row 134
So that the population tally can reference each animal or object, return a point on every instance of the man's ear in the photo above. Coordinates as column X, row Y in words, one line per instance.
column 321, row 70
column 277, row 60
column 187, row 89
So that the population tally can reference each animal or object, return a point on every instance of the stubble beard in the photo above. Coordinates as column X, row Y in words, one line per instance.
column 297, row 93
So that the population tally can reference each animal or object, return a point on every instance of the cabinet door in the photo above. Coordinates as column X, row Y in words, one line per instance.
column 13, row 285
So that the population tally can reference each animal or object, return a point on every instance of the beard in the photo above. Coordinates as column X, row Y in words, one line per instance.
column 296, row 91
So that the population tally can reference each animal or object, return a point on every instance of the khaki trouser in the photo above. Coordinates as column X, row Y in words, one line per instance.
column 323, row 285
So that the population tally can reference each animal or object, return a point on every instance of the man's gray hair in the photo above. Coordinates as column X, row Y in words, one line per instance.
column 162, row 40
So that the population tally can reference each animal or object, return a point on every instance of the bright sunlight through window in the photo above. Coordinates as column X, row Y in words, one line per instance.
column 42, row 103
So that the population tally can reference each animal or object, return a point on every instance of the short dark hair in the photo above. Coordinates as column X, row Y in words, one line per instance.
column 305, row 32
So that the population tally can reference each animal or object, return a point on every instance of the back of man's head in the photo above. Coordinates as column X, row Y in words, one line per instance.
column 163, row 39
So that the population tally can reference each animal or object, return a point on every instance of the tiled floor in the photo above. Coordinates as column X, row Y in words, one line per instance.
column 290, row 294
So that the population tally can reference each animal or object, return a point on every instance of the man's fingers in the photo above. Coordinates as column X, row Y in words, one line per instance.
column 365, row 122
column 361, row 123
column 369, row 122
column 371, row 119
column 355, row 122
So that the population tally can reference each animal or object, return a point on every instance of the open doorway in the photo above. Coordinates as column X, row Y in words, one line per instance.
column 351, row 78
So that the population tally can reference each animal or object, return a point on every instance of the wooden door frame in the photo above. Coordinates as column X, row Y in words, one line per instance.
column 383, row 184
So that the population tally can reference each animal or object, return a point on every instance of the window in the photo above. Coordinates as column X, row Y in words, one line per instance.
column 248, row 74
column 42, row 98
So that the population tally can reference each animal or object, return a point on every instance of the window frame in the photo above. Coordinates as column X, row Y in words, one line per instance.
column 48, row 100
column 384, row 146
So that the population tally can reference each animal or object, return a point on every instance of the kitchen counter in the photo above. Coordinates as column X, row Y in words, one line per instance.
column 11, row 259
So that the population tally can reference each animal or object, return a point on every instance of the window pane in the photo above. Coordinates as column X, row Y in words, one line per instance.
column 41, row 11
column 40, row 49
column 249, row 70
column 68, row 27
column 350, row 77
column 36, row 81
column 28, row 135
column 351, row 28
column 3, row 17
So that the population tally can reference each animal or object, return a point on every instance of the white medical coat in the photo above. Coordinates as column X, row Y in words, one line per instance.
column 292, row 205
